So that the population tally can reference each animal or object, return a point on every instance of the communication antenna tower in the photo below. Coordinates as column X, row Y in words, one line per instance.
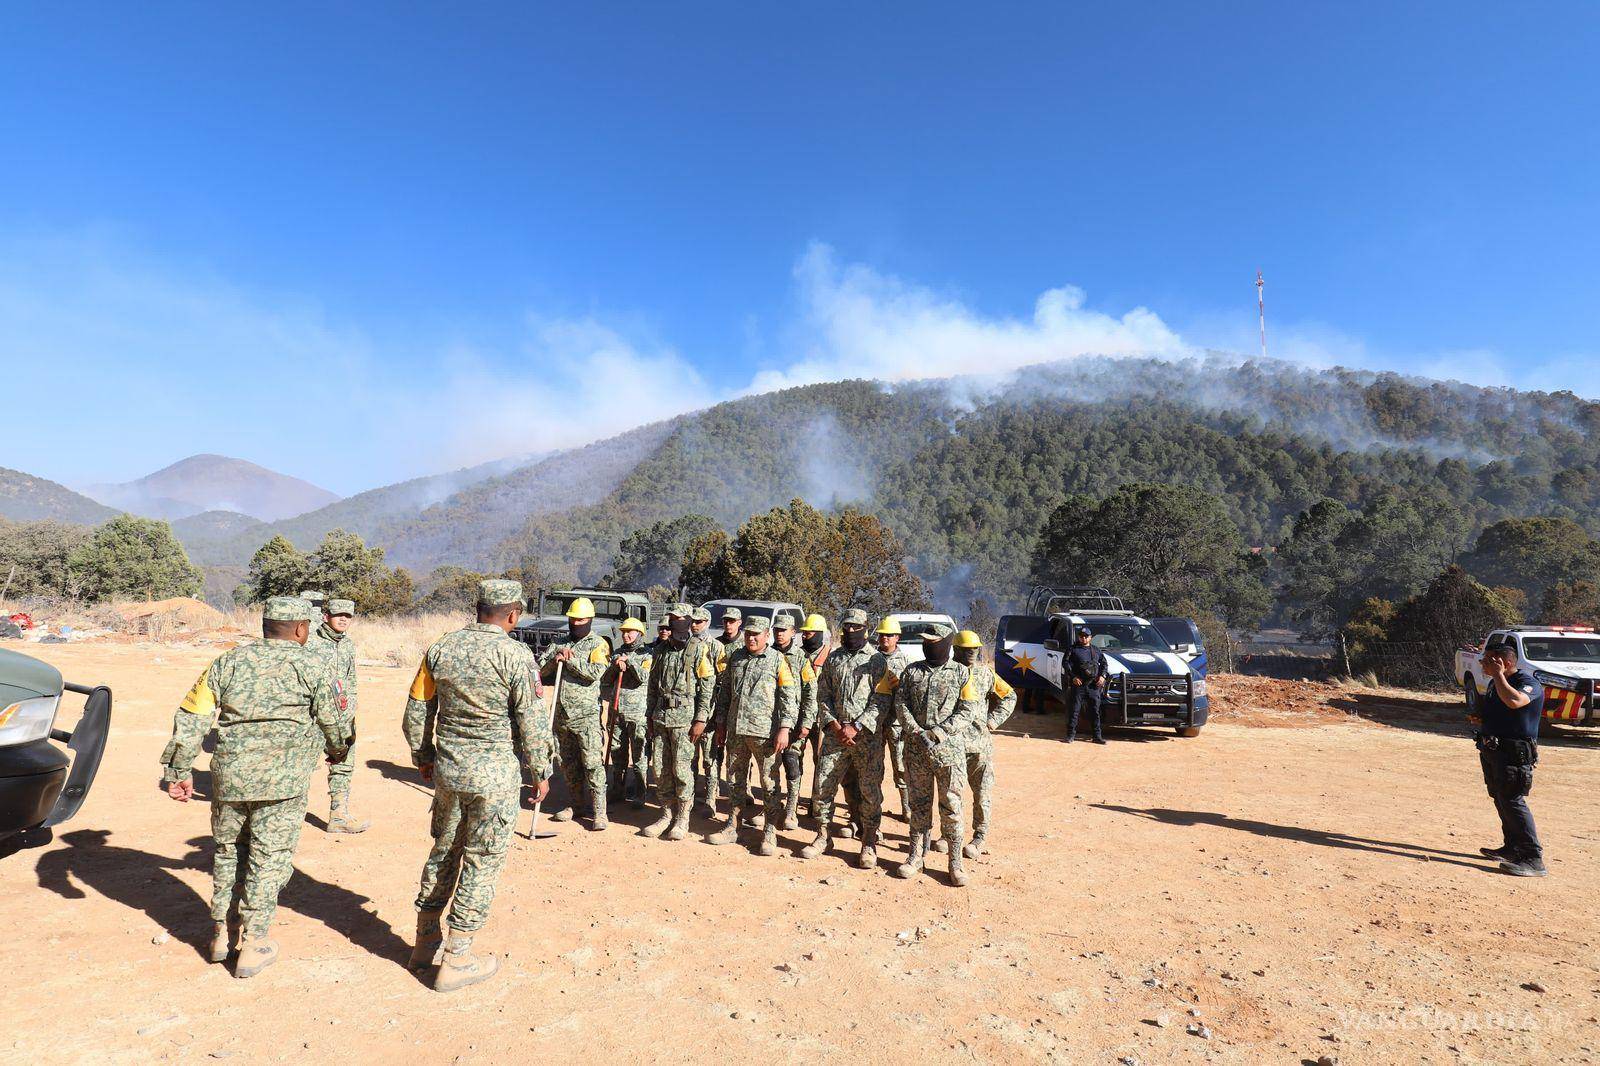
column 1261, row 306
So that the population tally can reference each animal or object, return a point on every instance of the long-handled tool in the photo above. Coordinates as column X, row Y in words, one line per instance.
column 550, row 731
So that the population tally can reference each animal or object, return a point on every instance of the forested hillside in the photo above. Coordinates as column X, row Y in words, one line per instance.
column 25, row 498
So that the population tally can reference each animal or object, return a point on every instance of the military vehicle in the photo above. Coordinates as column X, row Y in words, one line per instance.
column 40, row 785
column 546, row 619
column 1150, row 683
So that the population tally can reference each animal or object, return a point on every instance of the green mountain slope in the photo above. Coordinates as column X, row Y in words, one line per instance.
column 25, row 498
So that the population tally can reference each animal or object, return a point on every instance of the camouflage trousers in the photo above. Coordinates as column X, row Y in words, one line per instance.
column 742, row 751
column 471, row 832
column 582, row 752
column 340, row 773
column 940, row 773
column 267, row 831
column 980, row 778
column 708, row 755
column 672, row 756
column 895, row 741
column 837, row 763
column 794, row 762
column 627, row 744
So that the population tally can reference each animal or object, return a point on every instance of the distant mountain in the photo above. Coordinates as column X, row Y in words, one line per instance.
column 26, row 498
column 203, row 483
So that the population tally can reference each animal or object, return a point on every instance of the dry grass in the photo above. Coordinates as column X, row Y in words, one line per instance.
column 400, row 641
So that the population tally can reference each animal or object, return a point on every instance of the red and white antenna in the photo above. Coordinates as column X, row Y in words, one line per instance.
column 1261, row 306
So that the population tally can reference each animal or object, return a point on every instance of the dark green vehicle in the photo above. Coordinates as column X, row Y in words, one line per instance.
column 546, row 620
column 42, row 785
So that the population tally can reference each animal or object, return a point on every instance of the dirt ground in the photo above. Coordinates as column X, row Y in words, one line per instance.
column 1257, row 894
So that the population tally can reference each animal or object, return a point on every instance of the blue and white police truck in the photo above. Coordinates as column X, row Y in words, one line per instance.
column 1156, row 668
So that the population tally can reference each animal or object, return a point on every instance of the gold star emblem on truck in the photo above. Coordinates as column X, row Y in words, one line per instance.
column 1025, row 662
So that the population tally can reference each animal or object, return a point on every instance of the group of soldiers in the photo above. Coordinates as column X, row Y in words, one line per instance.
column 675, row 711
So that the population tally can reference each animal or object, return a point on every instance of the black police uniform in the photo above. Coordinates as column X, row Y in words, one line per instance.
column 1085, row 663
column 1508, row 750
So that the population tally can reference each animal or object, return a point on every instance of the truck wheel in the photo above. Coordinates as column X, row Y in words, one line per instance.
column 1190, row 731
column 1471, row 692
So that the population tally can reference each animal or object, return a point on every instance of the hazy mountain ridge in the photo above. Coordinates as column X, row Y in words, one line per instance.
column 25, row 498
column 208, row 482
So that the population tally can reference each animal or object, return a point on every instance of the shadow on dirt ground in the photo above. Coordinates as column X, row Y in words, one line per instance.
column 1300, row 834
column 145, row 882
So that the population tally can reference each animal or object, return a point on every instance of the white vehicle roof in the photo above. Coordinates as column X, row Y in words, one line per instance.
column 911, row 616
column 1089, row 618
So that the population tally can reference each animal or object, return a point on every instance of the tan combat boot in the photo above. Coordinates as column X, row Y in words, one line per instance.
column 221, row 942
column 819, row 846
column 680, row 822
column 599, row 822
column 460, row 967
column 340, row 820
column 430, row 941
column 769, row 841
column 255, row 954
column 791, row 809
column 958, row 872
column 659, row 826
column 913, row 863
column 868, row 859
column 975, row 846
column 729, row 831
column 937, row 845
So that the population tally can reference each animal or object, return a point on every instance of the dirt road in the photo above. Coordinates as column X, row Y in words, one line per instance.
column 1285, row 893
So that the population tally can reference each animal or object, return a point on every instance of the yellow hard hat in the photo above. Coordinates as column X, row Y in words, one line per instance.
column 968, row 639
column 580, row 609
column 632, row 625
column 815, row 623
column 889, row 626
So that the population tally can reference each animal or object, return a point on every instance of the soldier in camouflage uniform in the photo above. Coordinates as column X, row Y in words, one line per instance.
column 785, row 644
column 276, row 706
column 332, row 637
column 888, row 634
column 678, row 698
column 586, row 656
column 622, row 692
column 757, row 706
column 933, row 717
column 852, row 703
column 474, row 710
column 707, row 755
column 986, row 702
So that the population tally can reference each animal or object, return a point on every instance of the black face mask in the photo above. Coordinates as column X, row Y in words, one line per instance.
column 936, row 652
column 966, row 656
column 811, row 641
column 577, row 629
column 680, row 630
column 853, row 640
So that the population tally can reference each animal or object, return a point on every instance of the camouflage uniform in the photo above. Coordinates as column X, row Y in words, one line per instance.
column 580, row 745
column 986, row 702
column 893, row 736
column 853, row 689
column 756, row 698
column 277, row 708
column 794, row 756
column 626, row 744
column 708, row 754
column 342, row 650
column 678, row 694
column 472, row 713
column 935, row 721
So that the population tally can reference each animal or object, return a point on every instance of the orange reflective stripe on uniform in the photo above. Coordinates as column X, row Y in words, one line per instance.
column 967, row 691
column 422, row 684
column 703, row 670
column 200, row 699
column 1000, row 689
column 785, row 678
column 599, row 655
column 887, row 683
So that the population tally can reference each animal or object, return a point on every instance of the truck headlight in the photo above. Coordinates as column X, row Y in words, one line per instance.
column 27, row 720
column 1554, row 680
column 1199, row 686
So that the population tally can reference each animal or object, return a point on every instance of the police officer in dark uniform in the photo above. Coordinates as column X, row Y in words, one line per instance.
column 1508, row 749
column 1085, row 666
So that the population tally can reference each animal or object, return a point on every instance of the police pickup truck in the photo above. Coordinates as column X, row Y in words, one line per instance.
column 1564, row 659
column 1150, row 681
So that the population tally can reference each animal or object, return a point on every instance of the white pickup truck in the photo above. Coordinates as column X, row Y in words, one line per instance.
column 1564, row 659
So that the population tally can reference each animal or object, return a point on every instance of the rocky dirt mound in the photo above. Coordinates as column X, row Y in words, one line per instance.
column 1271, row 703
column 180, row 614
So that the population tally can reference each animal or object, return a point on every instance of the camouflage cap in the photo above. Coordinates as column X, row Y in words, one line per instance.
column 700, row 614
column 499, row 592
column 757, row 624
column 340, row 607
column 731, row 612
column 855, row 616
column 936, row 632
column 784, row 620
column 681, row 610
column 286, row 609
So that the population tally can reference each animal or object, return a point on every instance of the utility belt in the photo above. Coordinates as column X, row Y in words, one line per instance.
column 1517, row 751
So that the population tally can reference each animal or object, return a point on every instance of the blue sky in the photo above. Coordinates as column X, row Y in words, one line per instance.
column 360, row 242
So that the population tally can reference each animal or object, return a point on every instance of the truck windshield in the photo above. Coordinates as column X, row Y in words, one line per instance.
column 913, row 632
column 1127, row 636
column 555, row 603
column 1562, row 649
